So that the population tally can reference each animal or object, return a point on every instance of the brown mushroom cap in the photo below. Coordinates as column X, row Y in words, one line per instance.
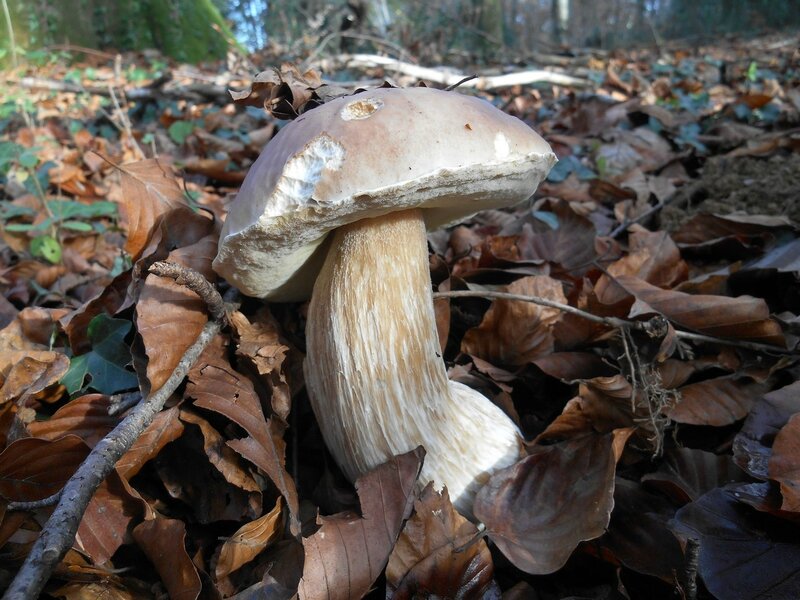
column 364, row 156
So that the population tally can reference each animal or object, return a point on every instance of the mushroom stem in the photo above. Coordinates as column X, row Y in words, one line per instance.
column 374, row 371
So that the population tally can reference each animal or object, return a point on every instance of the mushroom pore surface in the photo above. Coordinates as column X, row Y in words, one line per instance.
column 374, row 371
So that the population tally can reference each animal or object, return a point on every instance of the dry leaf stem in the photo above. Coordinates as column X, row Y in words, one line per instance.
column 59, row 532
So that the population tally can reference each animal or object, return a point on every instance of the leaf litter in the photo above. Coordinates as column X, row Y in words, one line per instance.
column 673, row 200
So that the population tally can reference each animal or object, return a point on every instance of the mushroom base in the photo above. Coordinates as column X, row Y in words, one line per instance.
column 374, row 371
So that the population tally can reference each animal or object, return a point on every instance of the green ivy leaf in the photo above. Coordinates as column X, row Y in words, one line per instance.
column 106, row 362
column 46, row 247
column 180, row 130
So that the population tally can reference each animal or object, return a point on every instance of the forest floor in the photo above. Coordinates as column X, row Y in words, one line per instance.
column 662, row 437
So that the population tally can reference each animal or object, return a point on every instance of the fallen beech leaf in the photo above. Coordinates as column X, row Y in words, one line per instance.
column 717, row 402
column 165, row 428
column 348, row 552
column 638, row 536
column 33, row 374
column 86, row 416
column 169, row 316
column 260, row 345
column 571, row 246
column 686, row 474
column 33, row 469
column 249, row 541
column 433, row 557
column 752, row 446
column 226, row 461
column 784, row 464
column 603, row 404
column 284, row 92
column 163, row 542
column 744, row 317
column 653, row 258
column 514, row 332
column 214, row 384
column 743, row 553
column 149, row 189
column 104, row 526
column 538, row 510
column 569, row 366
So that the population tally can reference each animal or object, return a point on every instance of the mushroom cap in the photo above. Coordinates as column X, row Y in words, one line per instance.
column 364, row 156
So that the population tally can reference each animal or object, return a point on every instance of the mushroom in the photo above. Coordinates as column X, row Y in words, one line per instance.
column 339, row 201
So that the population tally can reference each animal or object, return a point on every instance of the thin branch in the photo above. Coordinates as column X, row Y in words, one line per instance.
column 119, row 403
column 614, row 322
column 642, row 217
column 194, row 281
column 59, row 532
column 35, row 504
column 692, row 554
column 758, row 347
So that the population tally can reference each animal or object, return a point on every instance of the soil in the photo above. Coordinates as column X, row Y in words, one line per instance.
column 744, row 185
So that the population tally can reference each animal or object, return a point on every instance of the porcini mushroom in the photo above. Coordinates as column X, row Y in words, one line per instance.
column 339, row 201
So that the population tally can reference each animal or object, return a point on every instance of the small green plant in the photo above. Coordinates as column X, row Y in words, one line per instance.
column 105, row 365
column 62, row 214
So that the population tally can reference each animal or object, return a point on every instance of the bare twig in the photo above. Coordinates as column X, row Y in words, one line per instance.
column 35, row 504
column 614, row 322
column 692, row 554
column 453, row 77
column 126, row 123
column 59, row 532
column 642, row 217
column 119, row 403
column 194, row 281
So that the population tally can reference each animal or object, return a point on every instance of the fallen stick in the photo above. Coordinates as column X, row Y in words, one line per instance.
column 451, row 77
column 59, row 532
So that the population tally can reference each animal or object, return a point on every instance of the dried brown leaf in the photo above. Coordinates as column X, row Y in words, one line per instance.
column 435, row 555
column 249, row 541
column 163, row 542
column 284, row 92
column 536, row 512
column 32, row 374
column 165, row 428
column 515, row 332
column 226, row 461
column 216, row 386
column 169, row 316
column 349, row 551
column 149, row 189
column 784, row 464
column 717, row 402
column 104, row 526
column 752, row 446
column 638, row 536
column 744, row 317
column 33, row 469
column 743, row 553
column 686, row 474
column 571, row 246
column 260, row 345
column 86, row 416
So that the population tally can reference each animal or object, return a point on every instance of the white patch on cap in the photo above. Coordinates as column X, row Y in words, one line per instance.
column 501, row 147
column 361, row 109
column 302, row 172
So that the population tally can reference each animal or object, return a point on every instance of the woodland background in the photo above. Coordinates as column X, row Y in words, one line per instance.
column 659, row 398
